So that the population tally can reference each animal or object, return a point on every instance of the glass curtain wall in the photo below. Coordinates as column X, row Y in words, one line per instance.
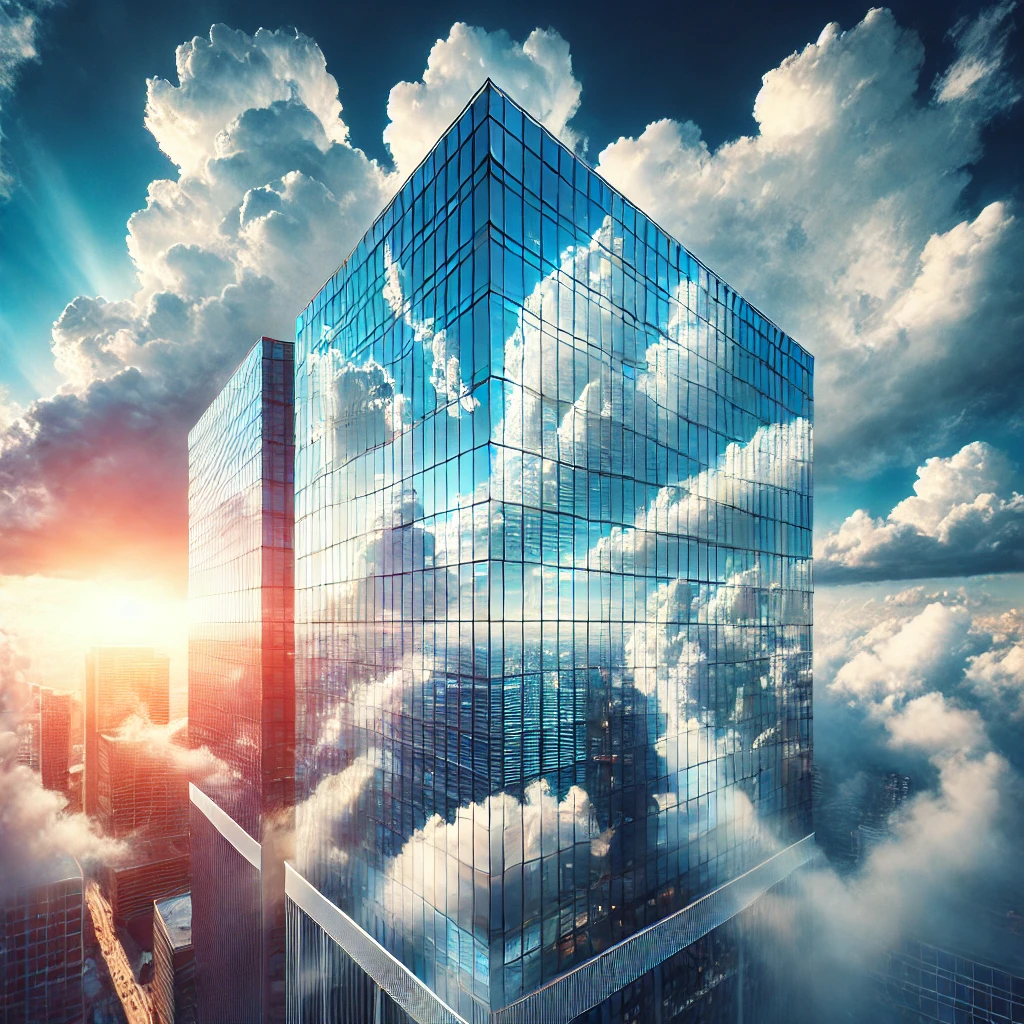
column 553, row 589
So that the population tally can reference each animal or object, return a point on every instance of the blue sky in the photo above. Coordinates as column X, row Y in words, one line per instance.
column 83, row 160
column 78, row 160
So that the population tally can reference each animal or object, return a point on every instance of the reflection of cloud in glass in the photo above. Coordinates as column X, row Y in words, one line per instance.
column 446, row 368
column 360, row 407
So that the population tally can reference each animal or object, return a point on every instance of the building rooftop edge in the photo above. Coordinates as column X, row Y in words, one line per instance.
column 248, row 352
column 490, row 83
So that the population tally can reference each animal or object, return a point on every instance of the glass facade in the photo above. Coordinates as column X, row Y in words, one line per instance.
column 241, row 683
column 174, row 965
column 44, row 736
column 120, row 682
column 553, row 587
column 41, row 952
column 141, row 792
column 922, row 983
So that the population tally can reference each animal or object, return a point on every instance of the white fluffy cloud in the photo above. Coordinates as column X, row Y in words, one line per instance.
column 843, row 219
column 962, row 519
column 921, row 673
column 931, row 724
column 269, row 196
column 536, row 73
column 948, row 837
column 895, row 695
column 900, row 656
column 999, row 675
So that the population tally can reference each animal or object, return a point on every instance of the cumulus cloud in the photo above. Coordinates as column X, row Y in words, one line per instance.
column 900, row 655
column 536, row 73
column 962, row 519
column 895, row 696
column 269, row 195
column 843, row 218
column 999, row 675
column 931, row 724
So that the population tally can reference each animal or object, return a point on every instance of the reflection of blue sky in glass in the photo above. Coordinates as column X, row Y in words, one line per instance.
column 552, row 562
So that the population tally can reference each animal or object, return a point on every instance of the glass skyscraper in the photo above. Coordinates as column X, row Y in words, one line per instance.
column 553, row 606
column 241, row 685
column 120, row 682
column 45, row 736
column 174, row 964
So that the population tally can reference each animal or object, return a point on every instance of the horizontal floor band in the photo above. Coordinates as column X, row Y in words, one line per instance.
column 389, row 973
column 566, row 997
column 227, row 827
column 586, row 986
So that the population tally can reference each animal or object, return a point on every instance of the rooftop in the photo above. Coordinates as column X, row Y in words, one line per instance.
column 176, row 914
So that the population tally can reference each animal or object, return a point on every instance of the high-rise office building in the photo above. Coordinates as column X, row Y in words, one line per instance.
column 54, row 738
column 44, row 735
column 174, row 962
column 553, row 607
column 241, row 684
column 921, row 983
column 76, row 775
column 28, row 731
column 120, row 682
column 41, row 946
column 142, row 791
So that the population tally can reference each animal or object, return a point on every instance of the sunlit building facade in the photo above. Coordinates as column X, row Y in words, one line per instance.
column 54, row 738
column 120, row 682
column 152, row 869
column 241, row 684
column 41, row 946
column 553, row 606
column 143, row 791
column 44, row 735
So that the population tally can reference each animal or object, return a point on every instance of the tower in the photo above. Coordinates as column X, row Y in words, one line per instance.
column 553, row 606
column 241, row 685
column 119, row 682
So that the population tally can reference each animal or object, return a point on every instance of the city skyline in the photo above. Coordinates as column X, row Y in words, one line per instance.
column 868, row 211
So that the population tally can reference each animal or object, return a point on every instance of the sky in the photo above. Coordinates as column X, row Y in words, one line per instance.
column 853, row 173
column 171, row 191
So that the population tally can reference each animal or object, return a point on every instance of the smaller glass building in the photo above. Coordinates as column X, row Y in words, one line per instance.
column 142, row 791
column 174, row 962
column 922, row 983
column 241, row 684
